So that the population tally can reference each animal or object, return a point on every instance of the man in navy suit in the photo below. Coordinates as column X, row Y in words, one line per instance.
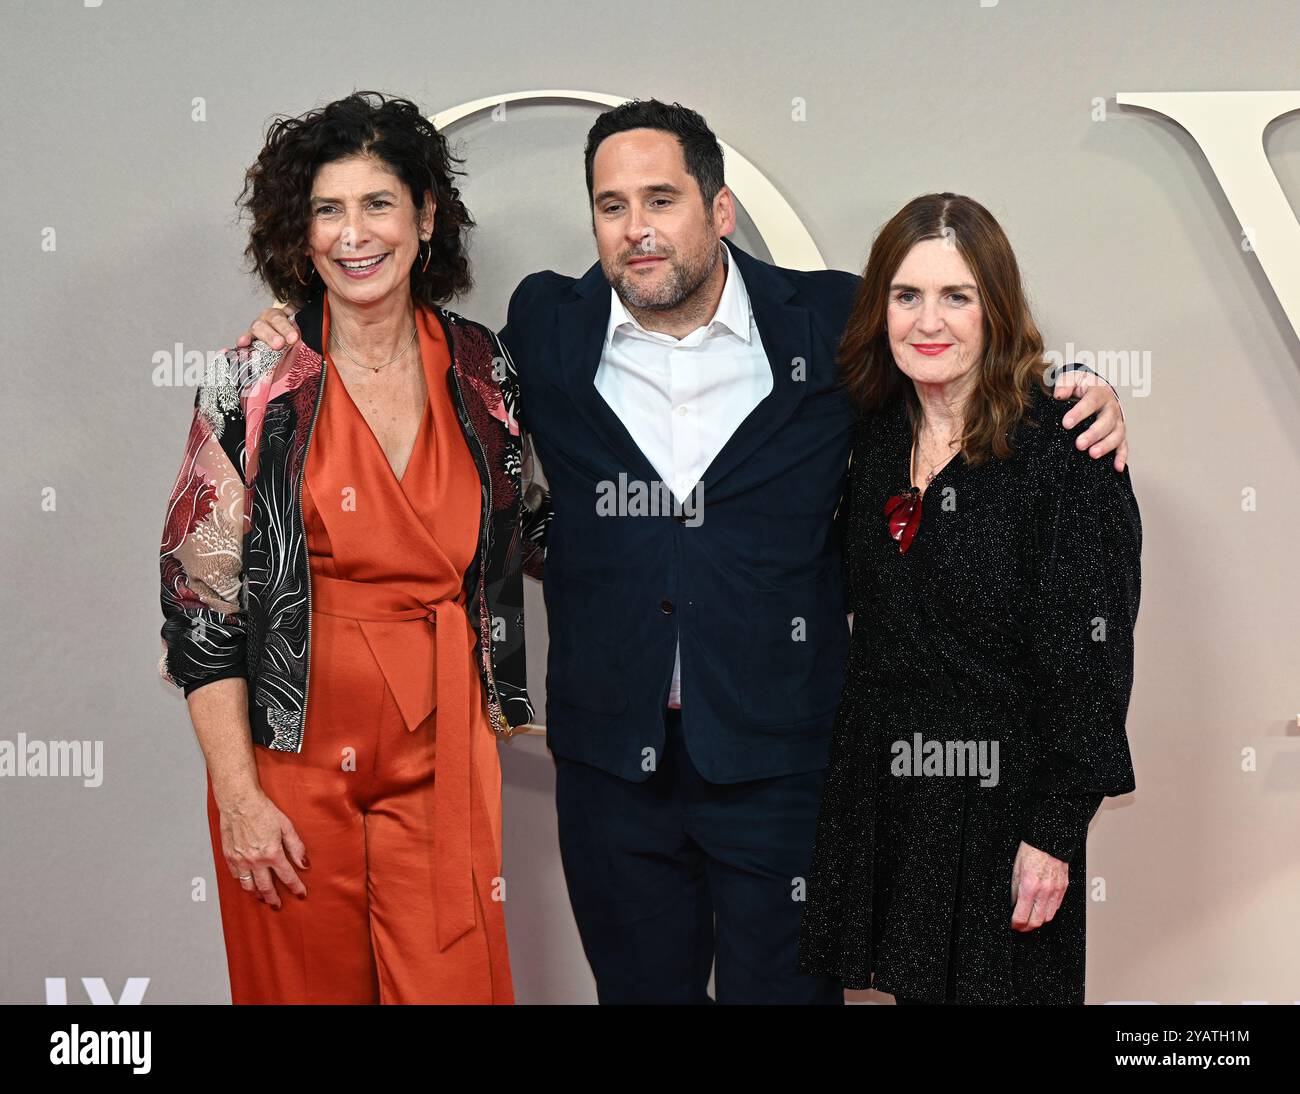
column 684, row 399
column 696, row 645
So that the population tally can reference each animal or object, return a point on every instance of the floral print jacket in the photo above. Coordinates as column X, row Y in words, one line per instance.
column 236, row 586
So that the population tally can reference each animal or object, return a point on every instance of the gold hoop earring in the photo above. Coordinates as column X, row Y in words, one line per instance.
column 428, row 255
column 298, row 274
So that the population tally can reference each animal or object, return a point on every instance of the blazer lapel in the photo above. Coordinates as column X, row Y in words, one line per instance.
column 786, row 332
column 582, row 325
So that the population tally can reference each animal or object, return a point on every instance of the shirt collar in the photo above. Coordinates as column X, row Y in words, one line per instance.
column 733, row 311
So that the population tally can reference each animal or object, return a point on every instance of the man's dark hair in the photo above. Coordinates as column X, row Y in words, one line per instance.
column 700, row 147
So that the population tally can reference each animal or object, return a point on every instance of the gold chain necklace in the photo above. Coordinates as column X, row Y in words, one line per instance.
column 336, row 336
column 930, row 478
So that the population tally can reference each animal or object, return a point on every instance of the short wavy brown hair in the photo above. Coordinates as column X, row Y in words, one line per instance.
column 277, row 191
column 1012, row 361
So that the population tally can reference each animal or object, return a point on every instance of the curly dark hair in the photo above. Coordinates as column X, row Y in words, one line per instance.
column 277, row 191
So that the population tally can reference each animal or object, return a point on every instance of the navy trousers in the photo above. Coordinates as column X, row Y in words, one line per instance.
column 667, row 875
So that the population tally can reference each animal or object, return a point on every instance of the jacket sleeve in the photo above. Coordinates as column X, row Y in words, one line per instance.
column 201, row 557
column 1088, row 585
column 844, row 517
column 535, row 513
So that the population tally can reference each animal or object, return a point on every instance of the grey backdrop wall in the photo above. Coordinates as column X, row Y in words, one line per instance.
column 127, row 127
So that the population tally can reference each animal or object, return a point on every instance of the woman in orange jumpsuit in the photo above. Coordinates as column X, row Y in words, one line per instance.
column 386, row 839
column 348, row 685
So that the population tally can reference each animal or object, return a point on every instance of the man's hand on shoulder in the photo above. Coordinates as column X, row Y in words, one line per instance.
column 275, row 327
column 1096, row 396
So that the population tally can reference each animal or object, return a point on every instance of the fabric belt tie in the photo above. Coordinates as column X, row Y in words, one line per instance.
column 386, row 615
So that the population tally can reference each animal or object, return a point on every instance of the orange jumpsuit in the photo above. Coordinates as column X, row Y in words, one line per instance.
column 404, row 899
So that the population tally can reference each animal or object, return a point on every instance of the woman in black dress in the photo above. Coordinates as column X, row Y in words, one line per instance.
column 993, row 573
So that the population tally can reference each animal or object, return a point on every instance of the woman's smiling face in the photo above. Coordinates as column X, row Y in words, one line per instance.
column 935, row 320
column 365, row 232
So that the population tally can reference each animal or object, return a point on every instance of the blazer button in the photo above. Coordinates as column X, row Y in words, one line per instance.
column 666, row 606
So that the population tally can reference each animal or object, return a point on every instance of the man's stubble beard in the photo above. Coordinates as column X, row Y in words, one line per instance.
column 684, row 280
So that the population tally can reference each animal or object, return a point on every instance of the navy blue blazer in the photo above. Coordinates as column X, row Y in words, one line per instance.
column 753, row 589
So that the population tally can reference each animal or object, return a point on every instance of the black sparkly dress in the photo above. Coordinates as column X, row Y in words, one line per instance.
column 1008, row 623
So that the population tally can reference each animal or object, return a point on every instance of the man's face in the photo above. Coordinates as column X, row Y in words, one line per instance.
column 657, row 241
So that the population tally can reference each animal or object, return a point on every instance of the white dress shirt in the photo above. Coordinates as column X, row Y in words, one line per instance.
column 681, row 399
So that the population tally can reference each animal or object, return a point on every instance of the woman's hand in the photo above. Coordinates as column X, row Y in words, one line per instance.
column 254, row 838
column 1038, row 883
